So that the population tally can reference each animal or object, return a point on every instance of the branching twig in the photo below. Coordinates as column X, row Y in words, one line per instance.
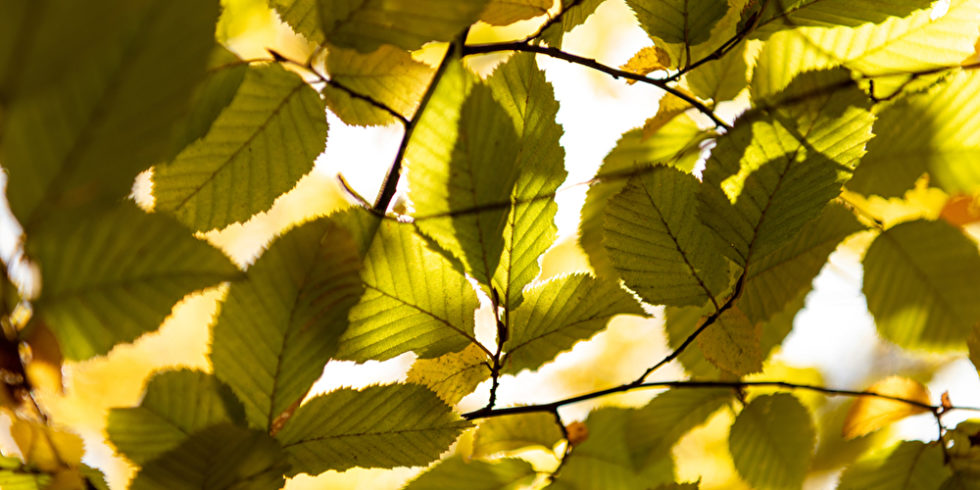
column 502, row 336
column 595, row 65
column 552, row 406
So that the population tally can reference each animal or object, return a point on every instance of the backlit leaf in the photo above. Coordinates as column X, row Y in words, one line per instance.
column 257, row 149
column 775, row 279
column 869, row 413
column 679, row 324
column 175, row 405
column 503, row 12
column 376, row 427
column 783, row 14
column 388, row 75
column 480, row 175
column 721, row 79
column 522, row 90
column 679, row 21
column 670, row 107
column 367, row 24
column 46, row 448
column 928, row 132
column 676, row 144
column 733, row 343
column 574, row 16
column 512, row 432
column 911, row 465
column 655, row 428
column 659, row 246
column 414, row 300
column 920, row 282
column 477, row 475
column 221, row 456
column 771, row 441
column 452, row 376
column 79, row 124
column 112, row 276
column 558, row 313
column 277, row 328
column 646, row 60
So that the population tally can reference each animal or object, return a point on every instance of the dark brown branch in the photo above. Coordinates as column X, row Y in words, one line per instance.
column 552, row 406
column 725, row 47
column 473, row 49
column 552, row 21
column 394, row 172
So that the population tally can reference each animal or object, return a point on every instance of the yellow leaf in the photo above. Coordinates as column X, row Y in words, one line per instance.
column 46, row 448
column 671, row 106
column 733, row 343
column 646, row 60
column 451, row 376
column 44, row 369
column 504, row 12
column 869, row 414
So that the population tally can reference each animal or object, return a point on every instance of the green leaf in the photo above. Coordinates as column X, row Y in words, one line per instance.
column 795, row 13
column 733, row 343
column 477, row 475
column 575, row 14
column 890, row 49
column 655, row 428
column 925, row 132
column 911, row 465
column 557, row 314
column 277, row 329
column 414, row 300
column 762, row 184
column 522, row 90
column 367, row 24
column 257, row 149
column 376, row 427
column 388, row 75
column 16, row 480
column 479, row 176
column 920, row 281
column 452, row 376
column 79, row 138
column 679, row 324
column 772, row 281
column 771, row 441
column 722, row 79
column 175, row 405
column 513, row 432
column 679, row 21
column 110, row 277
column 225, row 74
column 659, row 247
column 221, row 456
column 504, row 12
column 608, row 460
column 676, row 143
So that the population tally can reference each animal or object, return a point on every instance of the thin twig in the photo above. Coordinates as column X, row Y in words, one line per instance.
column 473, row 49
column 552, row 21
column 549, row 407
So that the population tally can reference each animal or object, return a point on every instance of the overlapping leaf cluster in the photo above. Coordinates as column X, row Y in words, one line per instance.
column 725, row 226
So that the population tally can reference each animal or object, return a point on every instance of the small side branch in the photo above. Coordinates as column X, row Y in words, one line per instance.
column 595, row 65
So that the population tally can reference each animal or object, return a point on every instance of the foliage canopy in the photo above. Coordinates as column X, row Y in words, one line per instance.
column 716, row 223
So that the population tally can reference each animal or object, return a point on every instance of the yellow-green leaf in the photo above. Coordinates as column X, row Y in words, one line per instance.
column 452, row 376
column 920, row 282
column 504, row 12
column 257, row 149
column 414, row 300
column 513, row 432
column 387, row 75
column 771, row 442
column 910, row 465
column 376, row 427
column 733, row 343
column 112, row 276
column 869, row 413
column 721, row 79
column 679, row 21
